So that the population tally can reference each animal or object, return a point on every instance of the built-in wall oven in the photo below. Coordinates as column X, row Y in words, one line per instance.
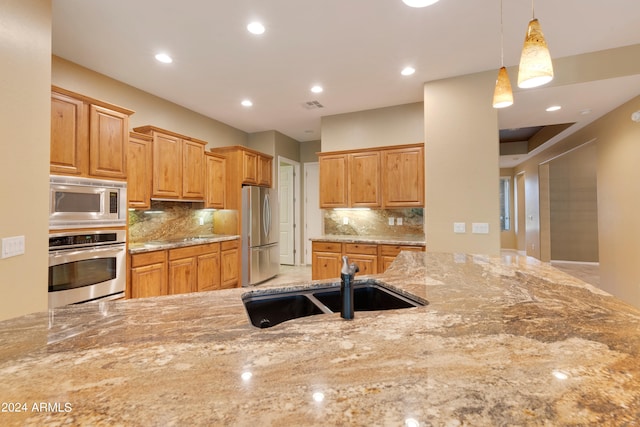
column 86, row 266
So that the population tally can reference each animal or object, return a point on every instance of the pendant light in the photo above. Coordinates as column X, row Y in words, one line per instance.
column 502, row 94
column 536, row 68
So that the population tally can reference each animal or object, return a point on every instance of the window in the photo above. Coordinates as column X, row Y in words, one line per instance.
column 505, row 203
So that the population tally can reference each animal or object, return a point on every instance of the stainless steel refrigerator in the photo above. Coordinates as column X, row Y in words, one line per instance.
column 260, row 252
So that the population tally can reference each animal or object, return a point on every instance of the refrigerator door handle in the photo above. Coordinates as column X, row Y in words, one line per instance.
column 266, row 217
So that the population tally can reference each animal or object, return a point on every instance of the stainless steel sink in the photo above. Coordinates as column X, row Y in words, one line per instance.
column 266, row 310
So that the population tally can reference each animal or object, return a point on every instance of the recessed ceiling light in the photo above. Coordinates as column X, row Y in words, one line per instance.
column 419, row 3
column 255, row 28
column 554, row 108
column 246, row 103
column 317, row 89
column 407, row 71
column 164, row 58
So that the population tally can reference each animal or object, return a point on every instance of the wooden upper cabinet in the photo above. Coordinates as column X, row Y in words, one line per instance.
column 364, row 179
column 403, row 177
column 108, row 137
column 193, row 170
column 139, row 170
column 264, row 171
column 178, row 165
column 167, row 166
column 333, row 181
column 68, row 135
column 386, row 177
column 88, row 137
column 250, row 167
column 215, row 176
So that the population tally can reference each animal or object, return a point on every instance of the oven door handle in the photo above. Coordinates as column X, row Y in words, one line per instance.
column 86, row 253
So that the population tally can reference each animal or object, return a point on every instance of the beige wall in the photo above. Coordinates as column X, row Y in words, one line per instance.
column 462, row 163
column 618, row 150
column 308, row 151
column 401, row 124
column 25, row 54
column 150, row 110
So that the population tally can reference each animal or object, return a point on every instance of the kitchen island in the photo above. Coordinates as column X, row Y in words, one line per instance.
column 503, row 341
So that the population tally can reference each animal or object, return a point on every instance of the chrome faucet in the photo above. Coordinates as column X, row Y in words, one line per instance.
column 347, row 274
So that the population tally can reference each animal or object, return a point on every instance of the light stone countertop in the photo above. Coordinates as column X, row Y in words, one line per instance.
column 503, row 341
column 411, row 240
column 157, row 245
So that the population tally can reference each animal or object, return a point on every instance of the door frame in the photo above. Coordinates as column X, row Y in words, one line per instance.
column 297, row 259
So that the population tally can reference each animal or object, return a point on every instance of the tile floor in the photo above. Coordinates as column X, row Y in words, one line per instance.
column 589, row 272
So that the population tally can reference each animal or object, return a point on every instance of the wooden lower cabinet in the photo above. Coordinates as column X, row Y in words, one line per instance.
column 148, row 276
column 197, row 268
column 326, row 257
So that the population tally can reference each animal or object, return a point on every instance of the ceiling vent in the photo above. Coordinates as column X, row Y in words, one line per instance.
column 312, row 105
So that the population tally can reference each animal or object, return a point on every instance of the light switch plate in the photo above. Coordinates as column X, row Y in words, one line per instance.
column 399, row 221
column 480, row 228
column 459, row 227
column 391, row 220
column 12, row 246
column 345, row 220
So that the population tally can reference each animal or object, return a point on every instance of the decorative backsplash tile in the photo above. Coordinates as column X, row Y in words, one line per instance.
column 175, row 220
column 374, row 222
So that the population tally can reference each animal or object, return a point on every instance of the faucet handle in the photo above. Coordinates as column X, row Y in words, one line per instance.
column 353, row 268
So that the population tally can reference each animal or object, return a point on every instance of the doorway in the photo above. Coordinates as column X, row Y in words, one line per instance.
column 521, row 216
column 289, row 194
column 312, row 212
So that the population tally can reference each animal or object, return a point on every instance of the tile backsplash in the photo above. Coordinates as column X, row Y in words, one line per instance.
column 175, row 220
column 374, row 222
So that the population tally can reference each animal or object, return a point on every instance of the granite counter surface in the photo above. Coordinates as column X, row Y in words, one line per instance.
column 503, row 341
column 157, row 245
column 410, row 240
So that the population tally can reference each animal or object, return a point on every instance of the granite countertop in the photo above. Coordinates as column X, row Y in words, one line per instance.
column 503, row 341
column 157, row 245
column 411, row 240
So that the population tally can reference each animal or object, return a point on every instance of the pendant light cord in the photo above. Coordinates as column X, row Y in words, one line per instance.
column 501, row 38
column 533, row 11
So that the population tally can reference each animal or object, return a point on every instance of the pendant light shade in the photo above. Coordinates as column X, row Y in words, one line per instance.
column 502, row 95
column 536, row 68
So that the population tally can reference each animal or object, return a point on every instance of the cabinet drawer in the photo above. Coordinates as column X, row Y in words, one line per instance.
column 229, row 244
column 394, row 250
column 359, row 248
column 191, row 251
column 326, row 247
column 148, row 258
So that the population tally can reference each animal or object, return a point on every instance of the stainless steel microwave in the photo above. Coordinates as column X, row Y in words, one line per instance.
column 76, row 202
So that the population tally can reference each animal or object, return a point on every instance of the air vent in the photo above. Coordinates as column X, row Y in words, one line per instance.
column 312, row 105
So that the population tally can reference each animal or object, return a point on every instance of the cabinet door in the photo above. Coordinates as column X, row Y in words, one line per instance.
column 182, row 275
column 167, row 166
column 368, row 264
column 403, row 177
column 325, row 265
column 139, row 173
column 333, row 181
column 364, row 179
column 249, row 168
column 68, row 135
column 192, row 170
column 230, row 267
column 264, row 171
column 209, row 271
column 149, row 281
column 215, row 181
column 108, row 136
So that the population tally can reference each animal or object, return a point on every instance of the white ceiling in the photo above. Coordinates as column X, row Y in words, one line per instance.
column 354, row 48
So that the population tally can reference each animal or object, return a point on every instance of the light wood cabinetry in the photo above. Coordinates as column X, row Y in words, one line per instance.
column 326, row 260
column 88, row 137
column 215, row 166
column 264, row 170
column 249, row 167
column 230, row 264
column 148, row 275
column 326, row 257
column 139, row 171
column 196, row 268
column 178, row 165
column 385, row 177
column 403, row 177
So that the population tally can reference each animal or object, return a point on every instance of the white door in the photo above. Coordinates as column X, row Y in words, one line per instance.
column 312, row 211
column 287, row 220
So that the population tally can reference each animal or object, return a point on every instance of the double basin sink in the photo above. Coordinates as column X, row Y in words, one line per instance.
column 266, row 310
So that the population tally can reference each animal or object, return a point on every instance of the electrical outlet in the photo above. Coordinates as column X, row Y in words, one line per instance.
column 480, row 228
column 12, row 246
column 399, row 221
column 201, row 220
column 391, row 220
column 459, row 227
column 345, row 220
